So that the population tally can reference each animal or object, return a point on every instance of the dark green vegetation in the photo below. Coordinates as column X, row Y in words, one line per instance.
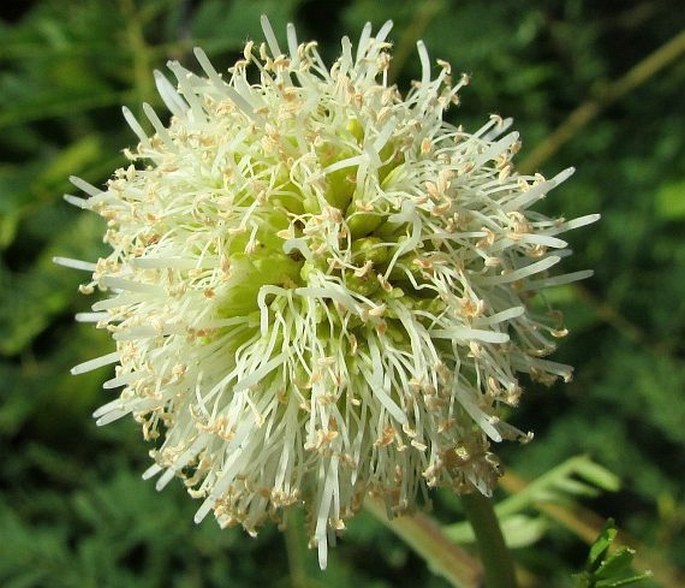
column 73, row 510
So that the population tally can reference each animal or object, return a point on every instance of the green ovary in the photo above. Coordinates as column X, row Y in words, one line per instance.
column 249, row 272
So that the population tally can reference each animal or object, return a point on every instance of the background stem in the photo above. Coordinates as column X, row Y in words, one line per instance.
column 428, row 539
column 668, row 53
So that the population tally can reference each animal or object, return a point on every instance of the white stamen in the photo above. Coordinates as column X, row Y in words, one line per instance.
column 558, row 280
column 75, row 263
column 76, row 201
column 543, row 240
column 496, row 149
column 292, row 44
column 121, row 380
column 111, row 416
column 123, row 284
column 497, row 130
column 270, row 36
column 363, row 45
column 519, row 274
column 425, row 63
column 343, row 163
column 152, row 471
column 384, row 135
column 85, row 186
column 500, row 317
column 171, row 98
column 91, row 317
column 290, row 245
column 259, row 374
column 384, row 31
column 116, row 404
column 240, row 101
column 93, row 364
column 157, row 124
column 466, row 334
column 135, row 127
column 576, row 223
column 207, row 66
column 179, row 263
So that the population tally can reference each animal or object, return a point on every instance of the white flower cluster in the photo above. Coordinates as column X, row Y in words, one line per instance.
column 319, row 290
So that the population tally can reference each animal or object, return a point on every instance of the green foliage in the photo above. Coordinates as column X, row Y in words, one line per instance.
column 73, row 511
column 522, row 526
column 607, row 567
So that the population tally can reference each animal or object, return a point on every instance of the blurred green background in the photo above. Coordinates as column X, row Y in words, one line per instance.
column 594, row 84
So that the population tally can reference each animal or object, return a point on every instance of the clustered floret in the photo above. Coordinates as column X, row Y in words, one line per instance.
column 320, row 290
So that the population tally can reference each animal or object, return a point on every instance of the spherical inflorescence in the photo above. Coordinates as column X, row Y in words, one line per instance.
column 319, row 289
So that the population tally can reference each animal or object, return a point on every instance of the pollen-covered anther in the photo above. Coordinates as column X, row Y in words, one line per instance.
column 540, row 351
column 503, row 161
column 87, row 289
column 334, row 263
column 536, row 251
column 423, row 263
column 385, row 283
column 433, row 402
column 446, row 66
column 386, row 438
column 364, row 270
column 419, row 445
column 445, row 425
column 409, row 431
column 472, row 309
column 322, row 441
column 377, row 311
column 513, row 395
column 545, row 378
column 444, row 374
column 365, row 206
column 467, row 167
column 442, row 209
column 462, row 453
column 222, row 429
column 496, row 119
column 475, row 350
column 432, row 189
column 505, row 172
column 353, row 343
column 488, row 240
column 281, row 62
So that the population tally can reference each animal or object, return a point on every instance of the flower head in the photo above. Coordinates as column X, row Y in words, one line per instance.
column 318, row 288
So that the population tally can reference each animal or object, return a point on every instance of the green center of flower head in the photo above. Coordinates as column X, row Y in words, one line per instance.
column 319, row 289
column 325, row 216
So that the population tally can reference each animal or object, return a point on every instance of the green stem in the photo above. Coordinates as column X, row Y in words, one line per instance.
column 294, row 544
column 496, row 558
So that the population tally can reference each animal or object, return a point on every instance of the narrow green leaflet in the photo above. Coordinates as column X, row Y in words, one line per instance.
column 608, row 565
